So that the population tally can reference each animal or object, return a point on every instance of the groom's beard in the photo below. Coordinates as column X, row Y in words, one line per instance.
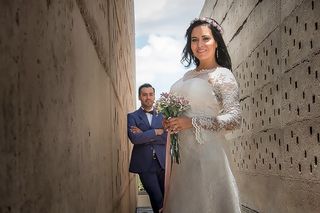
column 147, row 104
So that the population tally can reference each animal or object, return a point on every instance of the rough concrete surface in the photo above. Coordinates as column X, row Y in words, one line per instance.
column 274, row 47
column 67, row 83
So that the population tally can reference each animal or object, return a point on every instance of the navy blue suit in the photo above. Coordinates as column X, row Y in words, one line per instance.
column 148, row 154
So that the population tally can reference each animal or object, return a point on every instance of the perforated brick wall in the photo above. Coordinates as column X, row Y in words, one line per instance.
column 275, row 46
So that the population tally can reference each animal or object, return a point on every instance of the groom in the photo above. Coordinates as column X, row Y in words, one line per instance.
column 146, row 132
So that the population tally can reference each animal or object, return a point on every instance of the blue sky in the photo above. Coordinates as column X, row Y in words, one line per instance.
column 160, row 26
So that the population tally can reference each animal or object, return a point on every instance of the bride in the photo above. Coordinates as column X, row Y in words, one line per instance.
column 203, row 181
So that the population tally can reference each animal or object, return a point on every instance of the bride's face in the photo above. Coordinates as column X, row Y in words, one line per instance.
column 203, row 45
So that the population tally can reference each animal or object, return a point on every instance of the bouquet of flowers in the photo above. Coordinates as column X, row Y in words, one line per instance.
column 171, row 105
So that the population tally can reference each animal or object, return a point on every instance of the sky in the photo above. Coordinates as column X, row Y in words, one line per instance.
column 160, row 26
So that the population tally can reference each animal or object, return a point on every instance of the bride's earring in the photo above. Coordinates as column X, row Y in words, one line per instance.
column 217, row 52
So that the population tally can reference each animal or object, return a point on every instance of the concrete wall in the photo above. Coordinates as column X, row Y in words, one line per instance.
column 66, row 84
column 275, row 46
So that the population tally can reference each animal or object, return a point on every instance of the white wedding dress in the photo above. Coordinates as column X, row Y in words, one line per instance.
column 203, row 181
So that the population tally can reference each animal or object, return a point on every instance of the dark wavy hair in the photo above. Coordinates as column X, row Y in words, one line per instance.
column 222, row 58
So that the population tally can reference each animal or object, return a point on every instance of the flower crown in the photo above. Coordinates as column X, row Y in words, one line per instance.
column 209, row 21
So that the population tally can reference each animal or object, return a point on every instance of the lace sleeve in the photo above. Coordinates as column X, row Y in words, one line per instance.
column 226, row 89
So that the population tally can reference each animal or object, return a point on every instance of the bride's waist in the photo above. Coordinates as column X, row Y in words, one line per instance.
column 201, row 113
column 207, row 135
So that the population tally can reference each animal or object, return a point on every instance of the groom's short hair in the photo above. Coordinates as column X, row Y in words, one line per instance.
column 146, row 85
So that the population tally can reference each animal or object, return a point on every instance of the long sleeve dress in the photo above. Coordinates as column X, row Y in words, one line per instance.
column 203, row 181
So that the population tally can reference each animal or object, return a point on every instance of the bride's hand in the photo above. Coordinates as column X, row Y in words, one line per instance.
column 165, row 124
column 179, row 123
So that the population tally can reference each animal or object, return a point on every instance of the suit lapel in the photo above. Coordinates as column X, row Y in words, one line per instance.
column 154, row 118
column 143, row 116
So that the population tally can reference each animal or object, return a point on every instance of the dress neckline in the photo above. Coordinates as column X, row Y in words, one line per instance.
column 204, row 70
column 191, row 74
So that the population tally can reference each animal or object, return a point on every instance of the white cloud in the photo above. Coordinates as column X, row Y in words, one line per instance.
column 159, row 60
column 160, row 28
column 160, row 52
column 148, row 10
column 165, row 17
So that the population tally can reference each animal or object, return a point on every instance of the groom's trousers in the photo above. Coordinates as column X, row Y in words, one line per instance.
column 153, row 183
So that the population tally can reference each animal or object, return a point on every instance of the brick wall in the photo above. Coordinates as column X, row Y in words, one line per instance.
column 274, row 46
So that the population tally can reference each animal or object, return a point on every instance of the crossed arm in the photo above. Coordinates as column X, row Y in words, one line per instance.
column 137, row 136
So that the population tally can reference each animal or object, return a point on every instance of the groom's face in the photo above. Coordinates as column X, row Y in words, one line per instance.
column 146, row 97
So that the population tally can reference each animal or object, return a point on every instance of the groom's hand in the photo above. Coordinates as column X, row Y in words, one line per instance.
column 159, row 131
column 135, row 130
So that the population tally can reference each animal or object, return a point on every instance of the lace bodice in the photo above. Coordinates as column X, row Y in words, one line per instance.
column 214, row 97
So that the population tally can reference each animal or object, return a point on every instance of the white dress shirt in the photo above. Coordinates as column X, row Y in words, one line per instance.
column 149, row 116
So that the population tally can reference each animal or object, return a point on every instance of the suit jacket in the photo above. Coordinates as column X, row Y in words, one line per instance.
column 145, row 142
